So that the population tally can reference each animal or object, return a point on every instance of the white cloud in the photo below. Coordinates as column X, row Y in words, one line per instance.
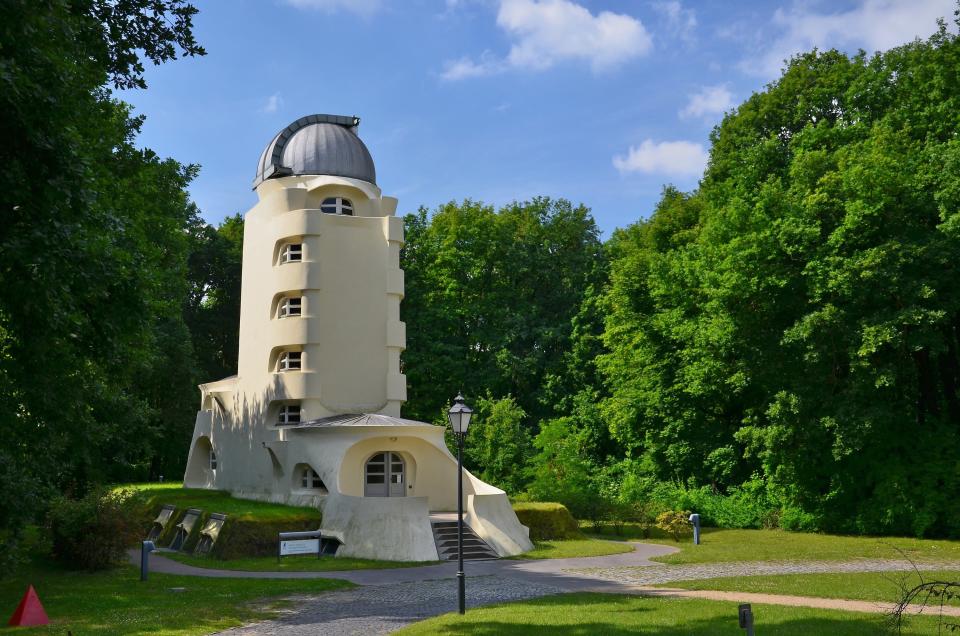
column 874, row 25
column 273, row 104
column 464, row 67
column 680, row 22
column 365, row 8
column 711, row 100
column 671, row 158
column 545, row 32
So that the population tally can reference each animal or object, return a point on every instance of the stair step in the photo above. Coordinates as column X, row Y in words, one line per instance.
column 474, row 548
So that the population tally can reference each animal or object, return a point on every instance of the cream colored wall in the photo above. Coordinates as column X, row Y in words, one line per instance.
column 351, row 338
column 431, row 470
column 351, row 284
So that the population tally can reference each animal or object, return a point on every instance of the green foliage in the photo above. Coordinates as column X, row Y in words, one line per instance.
column 745, row 506
column 499, row 446
column 674, row 522
column 94, row 532
column 92, row 251
column 547, row 521
column 242, row 538
column 490, row 298
column 795, row 322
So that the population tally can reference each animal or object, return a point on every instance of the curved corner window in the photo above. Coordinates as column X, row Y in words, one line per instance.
column 290, row 307
column 289, row 414
column 337, row 205
column 213, row 460
column 292, row 253
column 311, row 480
column 289, row 361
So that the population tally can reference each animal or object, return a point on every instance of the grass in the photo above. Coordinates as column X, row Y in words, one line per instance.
column 615, row 615
column 293, row 563
column 117, row 602
column 570, row 548
column 219, row 501
column 719, row 545
column 861, row 586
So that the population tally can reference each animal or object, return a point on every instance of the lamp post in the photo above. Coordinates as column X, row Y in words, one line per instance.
column 459, row 416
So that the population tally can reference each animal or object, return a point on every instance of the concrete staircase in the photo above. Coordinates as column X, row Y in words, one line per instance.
column 445, row 536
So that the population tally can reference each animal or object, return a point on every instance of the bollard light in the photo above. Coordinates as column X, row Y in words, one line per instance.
column 745, row 614
column 146, row 548
column 695, row 520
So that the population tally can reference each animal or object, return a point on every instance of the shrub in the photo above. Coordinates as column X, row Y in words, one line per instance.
column 674, row 522
column 94, row 532
column 547, row 521
column 746, row 506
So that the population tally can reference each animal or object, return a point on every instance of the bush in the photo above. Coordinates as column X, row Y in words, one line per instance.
column 746, row 506
column 94, row 532
column 547, row 521
column 674, row 522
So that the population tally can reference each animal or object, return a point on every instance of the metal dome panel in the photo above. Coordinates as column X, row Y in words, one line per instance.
column 317, row 145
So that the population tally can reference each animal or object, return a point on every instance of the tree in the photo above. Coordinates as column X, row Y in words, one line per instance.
column 490, row 297
column 499, row 447
column 798, row 315
column 91, row 243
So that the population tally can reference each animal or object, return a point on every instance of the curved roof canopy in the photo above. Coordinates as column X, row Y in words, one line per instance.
column 314, row 145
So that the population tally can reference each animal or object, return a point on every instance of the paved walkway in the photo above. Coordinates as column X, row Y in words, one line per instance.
column 389, row 599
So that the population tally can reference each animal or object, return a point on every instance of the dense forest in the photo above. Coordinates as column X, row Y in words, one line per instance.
column 778, row 347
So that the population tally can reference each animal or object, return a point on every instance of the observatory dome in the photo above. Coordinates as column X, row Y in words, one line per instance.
column 315, row 145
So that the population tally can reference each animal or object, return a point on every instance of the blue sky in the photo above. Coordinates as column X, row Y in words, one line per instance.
column 601, row 102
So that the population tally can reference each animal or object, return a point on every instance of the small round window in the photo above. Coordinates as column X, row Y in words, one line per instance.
column 337, row 205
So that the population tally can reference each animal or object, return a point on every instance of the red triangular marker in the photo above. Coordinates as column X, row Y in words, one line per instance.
column 29, row 611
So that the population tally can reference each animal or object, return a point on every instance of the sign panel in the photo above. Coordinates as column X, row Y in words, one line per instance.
column 299, row 546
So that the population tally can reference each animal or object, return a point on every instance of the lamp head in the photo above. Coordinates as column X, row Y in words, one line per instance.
column 459, row 416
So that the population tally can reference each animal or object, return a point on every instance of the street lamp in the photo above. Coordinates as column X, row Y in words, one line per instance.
column 459, row 417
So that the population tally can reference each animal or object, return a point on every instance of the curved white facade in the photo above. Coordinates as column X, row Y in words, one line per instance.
column 321, row 337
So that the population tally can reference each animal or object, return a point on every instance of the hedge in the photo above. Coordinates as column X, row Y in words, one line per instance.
column 547, row 520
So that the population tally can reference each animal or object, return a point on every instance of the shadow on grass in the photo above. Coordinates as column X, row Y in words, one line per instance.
column 718, row 627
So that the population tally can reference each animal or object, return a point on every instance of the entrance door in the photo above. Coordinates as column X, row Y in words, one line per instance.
column 384, row 476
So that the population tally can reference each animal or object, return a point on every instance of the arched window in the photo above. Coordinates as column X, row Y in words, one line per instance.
column 337, row 205
column 289, row 361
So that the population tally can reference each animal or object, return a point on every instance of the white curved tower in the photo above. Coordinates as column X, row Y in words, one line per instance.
column 313, row 414
column 320, row 322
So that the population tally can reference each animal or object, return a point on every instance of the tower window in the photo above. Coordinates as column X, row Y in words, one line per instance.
column 289, row 414
column 213, row 460
column 290, row 307
column 292, row 253
column 289, row 361
column 310, row 479
column 337, row 205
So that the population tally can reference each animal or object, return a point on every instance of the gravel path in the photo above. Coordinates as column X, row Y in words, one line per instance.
column 653, row 575
column 389, row 599
column 379, row 609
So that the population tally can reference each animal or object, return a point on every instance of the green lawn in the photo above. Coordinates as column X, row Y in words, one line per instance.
column 294, row 563
column 117, row 602
column 865, row 586
column 219, row 501
column 615, row 615
column 777, row 545
column 569, row 548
